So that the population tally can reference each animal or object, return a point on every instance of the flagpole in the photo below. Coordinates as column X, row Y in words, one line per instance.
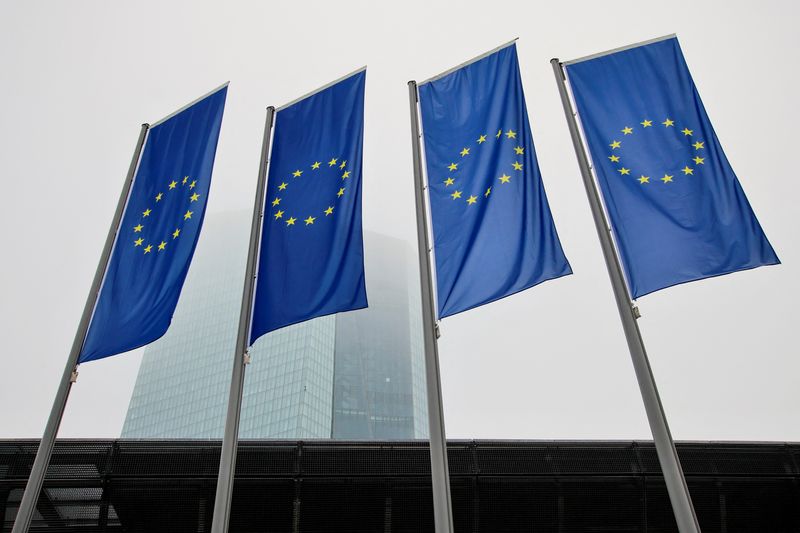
column 27, row 505
column 227, row 463
column 665, row 447
column 440, row 474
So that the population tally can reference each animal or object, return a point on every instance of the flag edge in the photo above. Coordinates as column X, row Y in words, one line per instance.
column 190, row 104
column 320, row 89
column 619, row 49
column 468, row 62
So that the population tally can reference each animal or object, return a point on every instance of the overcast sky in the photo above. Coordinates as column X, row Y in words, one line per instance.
column 78, row 79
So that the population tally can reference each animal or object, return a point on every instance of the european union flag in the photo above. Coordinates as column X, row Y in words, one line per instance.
column 311, row 261
column 492, row 229
column 158, row 232
column 676, row 207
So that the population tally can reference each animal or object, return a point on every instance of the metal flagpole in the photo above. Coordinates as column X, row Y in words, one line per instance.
column 227, row 463
column 29, row 498
column 665, row 447
column 440, row 474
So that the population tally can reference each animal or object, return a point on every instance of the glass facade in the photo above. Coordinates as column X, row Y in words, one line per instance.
column 300, row 382
column 373, row 391
column 184, row 379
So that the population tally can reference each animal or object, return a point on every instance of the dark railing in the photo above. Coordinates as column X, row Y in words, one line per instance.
column 335, row 486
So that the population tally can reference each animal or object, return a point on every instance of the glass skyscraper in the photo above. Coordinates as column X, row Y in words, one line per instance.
column 356, row 375
column 374, row 394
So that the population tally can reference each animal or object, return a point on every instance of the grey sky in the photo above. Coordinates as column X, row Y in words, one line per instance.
column 80, row 77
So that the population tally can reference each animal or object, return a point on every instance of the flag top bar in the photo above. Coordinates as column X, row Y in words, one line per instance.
column 190, row 104
column 620, row 49
column 312, row 93
column 469, row 62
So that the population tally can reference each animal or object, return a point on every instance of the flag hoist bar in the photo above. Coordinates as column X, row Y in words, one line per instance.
column 230, row 440
column 665, row 447
column 440, row 474
column 27, row 505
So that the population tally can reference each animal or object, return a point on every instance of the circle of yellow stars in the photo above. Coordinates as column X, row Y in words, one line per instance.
column 139, row 229
column 667, row 178
column 290, row 220
column 505, row 178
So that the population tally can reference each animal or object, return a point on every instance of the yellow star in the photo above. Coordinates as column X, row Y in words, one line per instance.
column 137, row 228
column 194, row 197
column 344, row 164
column 346, row 174
column 188, row 215
column 488, row 192
column 668, row 123
column 511, row 134
column 448, row 182
column 519, row 150
column 464, row 152
column 627, row 130
column 138, row 242
column 162, row 246
column 309, row 220
column 482, row 139
column 499, row 133
column 173, row 184
column 505, row 178
column 614, row 158
column 646, row 124
column 176, row 233
column 276, row 201
column 667, row 178
column 291, row 221
column 699, row 161
column 329, row 211
column 297, row 173
column 686, row 170
column 332, row 162
column 146, row 213
column 185, row 179
column 614, row 145
column 278, row 214
column 316, row 165
column 472, row 199
column 517, row 165
column 644, row 179
column 452, row 167
column 282, row 186
column 686, row 131
column 158, row 197
column 340, row 193
column 624, row 171
column 148, row 248
column 192, row 184
column 698, row 145
column 456, row 195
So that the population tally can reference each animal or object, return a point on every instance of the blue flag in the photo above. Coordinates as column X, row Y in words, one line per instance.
column 311, row 261
column 492, row 229
column 676, row 207
column 158, row 232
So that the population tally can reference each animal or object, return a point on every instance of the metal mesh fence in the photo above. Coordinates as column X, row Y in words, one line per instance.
column 326, row 486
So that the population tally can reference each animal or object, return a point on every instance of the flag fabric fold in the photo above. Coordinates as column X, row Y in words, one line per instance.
column 311, row 259
column 676, row 207
column 158, row 233
column 493, row 232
